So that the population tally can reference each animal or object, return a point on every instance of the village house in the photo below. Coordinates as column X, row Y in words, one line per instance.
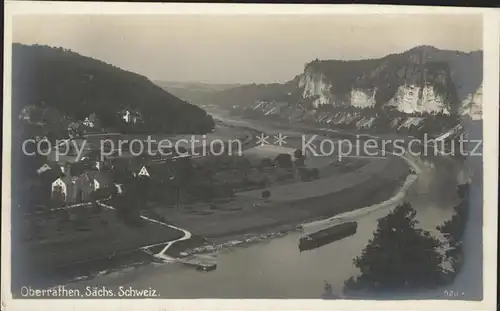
column 90, row 121
column 71, row 189
column 46, row 167
column 25, row 114
column 99, row 180
column 76, row 185
column 162, row 171
column 47, row 174
column 159, row 172
column 131, row 116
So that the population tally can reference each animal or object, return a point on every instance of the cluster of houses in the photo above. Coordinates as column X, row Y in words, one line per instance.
column 75, row 182
column 72, row 183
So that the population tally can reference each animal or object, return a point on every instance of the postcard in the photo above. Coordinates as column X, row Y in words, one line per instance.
column 251, row 156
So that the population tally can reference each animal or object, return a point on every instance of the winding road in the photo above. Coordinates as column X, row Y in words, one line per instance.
column 187, row 235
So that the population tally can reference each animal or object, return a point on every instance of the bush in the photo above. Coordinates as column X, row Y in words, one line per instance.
column 266, row 194
column 284, row 160
column 308, row 174
column 304, row 175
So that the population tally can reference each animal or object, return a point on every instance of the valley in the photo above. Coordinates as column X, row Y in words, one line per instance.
column 139, row 217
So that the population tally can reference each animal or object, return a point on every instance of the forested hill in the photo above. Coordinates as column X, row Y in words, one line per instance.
column 78, row 86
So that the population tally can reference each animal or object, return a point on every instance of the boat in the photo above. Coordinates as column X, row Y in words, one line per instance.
column 328, row 235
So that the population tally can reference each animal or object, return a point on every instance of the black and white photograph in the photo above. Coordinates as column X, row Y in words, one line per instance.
column 337, row 156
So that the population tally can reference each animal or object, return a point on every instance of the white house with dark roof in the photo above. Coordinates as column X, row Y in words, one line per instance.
column 78, row 188
column 43, row 169
column 66, row 186
column 143, row 172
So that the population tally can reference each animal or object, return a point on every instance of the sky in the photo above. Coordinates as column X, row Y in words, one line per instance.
column 244, row 48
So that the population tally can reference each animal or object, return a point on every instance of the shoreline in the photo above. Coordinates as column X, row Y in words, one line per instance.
column 247, row 236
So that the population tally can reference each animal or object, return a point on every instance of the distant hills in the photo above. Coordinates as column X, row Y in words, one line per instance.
column 194, row 92
column 78, row 86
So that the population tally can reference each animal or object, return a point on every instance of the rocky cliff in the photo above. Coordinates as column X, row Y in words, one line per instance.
column 423, row 79
column 413, row 89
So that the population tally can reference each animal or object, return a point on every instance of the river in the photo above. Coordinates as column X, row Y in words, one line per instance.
column 277, row 269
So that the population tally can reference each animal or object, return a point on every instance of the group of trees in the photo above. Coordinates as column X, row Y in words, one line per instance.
column 399, row 256
column 454, row 229
column 402, row 256
column 128, row 204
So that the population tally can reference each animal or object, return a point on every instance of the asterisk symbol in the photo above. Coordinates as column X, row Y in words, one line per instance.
column 280, row 140
column 262, row 139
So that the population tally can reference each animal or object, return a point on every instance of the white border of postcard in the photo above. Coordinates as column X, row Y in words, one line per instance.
column 491, row 33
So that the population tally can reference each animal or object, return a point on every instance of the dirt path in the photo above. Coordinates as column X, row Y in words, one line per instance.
column 162, row 254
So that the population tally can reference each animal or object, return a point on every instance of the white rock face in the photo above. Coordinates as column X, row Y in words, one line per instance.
column 362, row 99
column 408, row 100
column 314, row 85
column 473, row 105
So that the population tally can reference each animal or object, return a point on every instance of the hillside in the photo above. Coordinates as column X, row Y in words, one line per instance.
column 193, row 92
column 250, row 93
column 77, row 86
column 421, row 88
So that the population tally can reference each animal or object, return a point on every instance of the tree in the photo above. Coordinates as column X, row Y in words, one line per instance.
column 63, row 83
column 284, row 160
column 265, row 163
column 454, row 229
column 399, row 256
column 299, row 158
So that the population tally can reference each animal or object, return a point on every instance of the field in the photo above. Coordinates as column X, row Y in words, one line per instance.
column 56, row 239
column 292, row 203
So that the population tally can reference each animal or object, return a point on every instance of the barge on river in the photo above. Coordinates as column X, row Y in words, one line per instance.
column 328, row 235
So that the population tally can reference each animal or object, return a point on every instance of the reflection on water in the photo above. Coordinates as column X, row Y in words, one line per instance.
column 277, row 269
column 434, row 194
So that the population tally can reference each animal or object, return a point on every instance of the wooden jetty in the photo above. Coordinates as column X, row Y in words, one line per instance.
column 201, row 263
